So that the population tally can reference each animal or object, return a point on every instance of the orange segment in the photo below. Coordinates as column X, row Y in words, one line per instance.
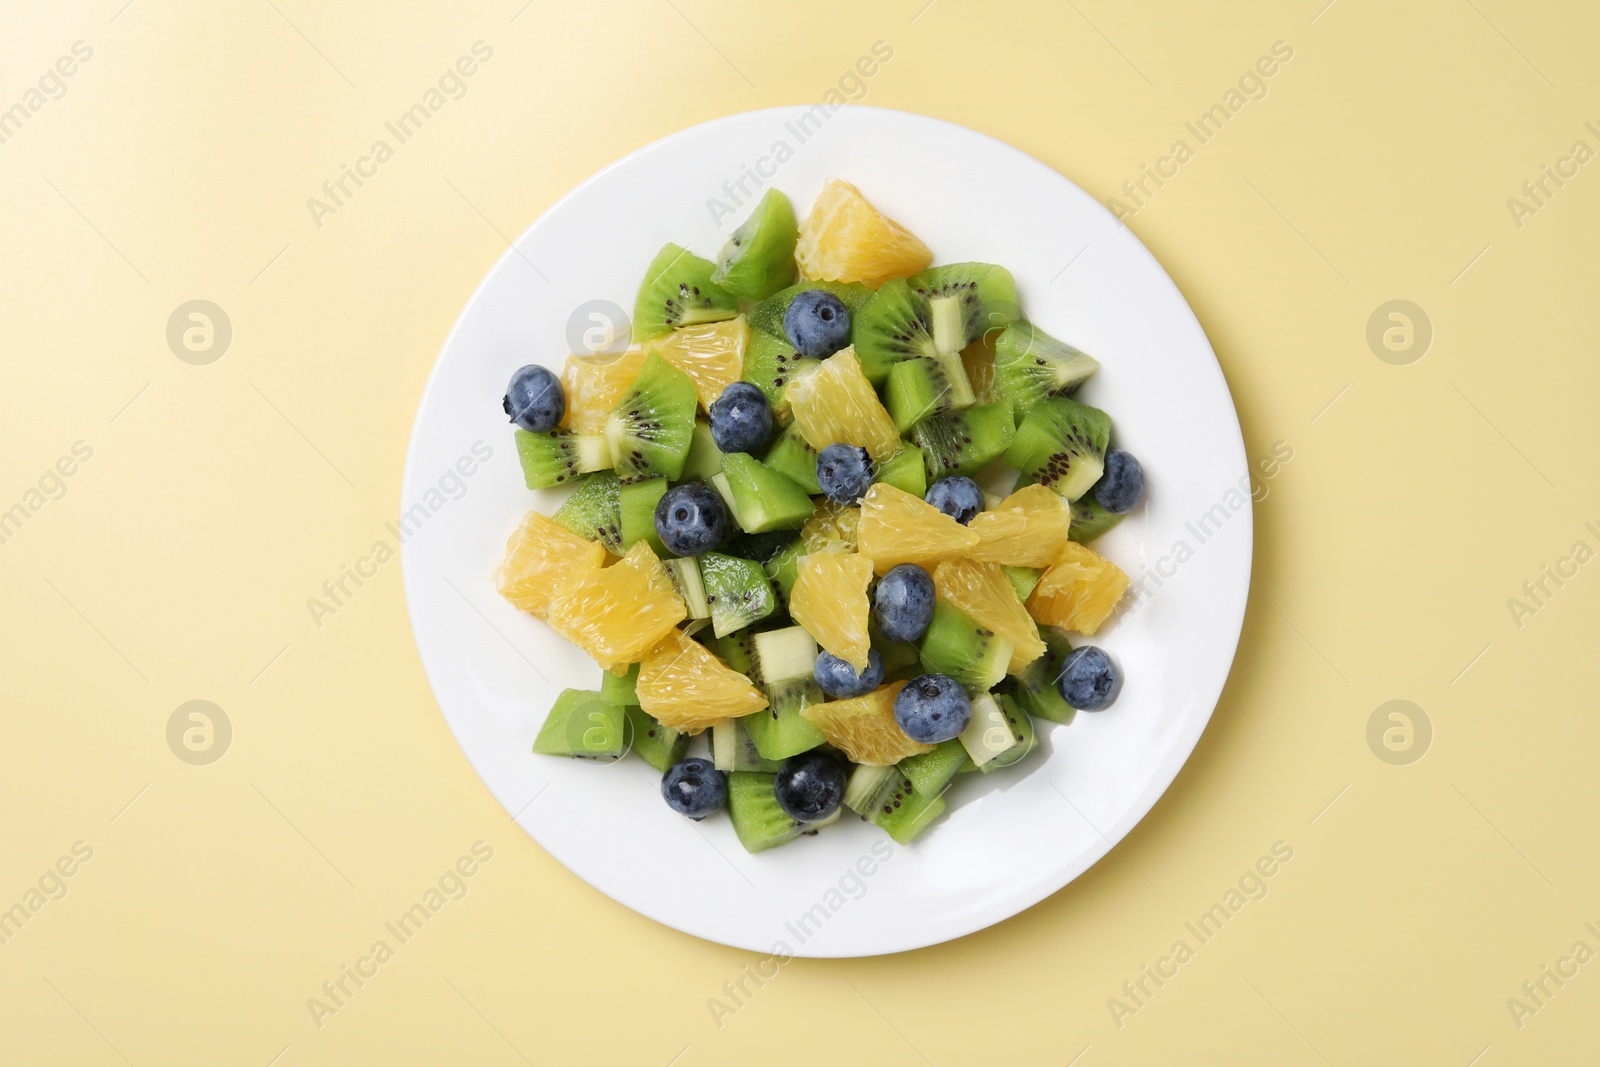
column 846, row 239
column 544, row 560
column 831, row 528
column 864, row 727
column 1078, row 591
column 829, row 599
column 897, row 527
column 710, row 353
column 595, row 385
column 1026, row 529
column 687, row 688
column 837, row 403
column 619, row 613
column 983, row 591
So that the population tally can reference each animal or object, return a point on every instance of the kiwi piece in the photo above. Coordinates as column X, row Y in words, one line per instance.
column 761, row 498
column 1062, row 444
column 964, row 442
column 705, row 458
column 934, row 314
column 1020, row 729
column 767, row 316
column 560, row 456
column 1035, row 688
column 1022, row 579
column 594, row 510
column 685, row 574
column 895, row 654
column 1090, row 520
column 732, row 749
column 622, row 690
column 658, row 745
column 736, row 590
column 930, row 773
column 865, row 785
column 904, row 470
column 758, row 259
column 678, row 291
column 1030, row 367
column 791, row 457
column 757, row 819
column 636, row 502
column 583, row 725
column 650, row 428
column 738, row 650
column 920, row 388
column 784, row 567
column 988, row 734
column 904, row 812
column 771, row 364
column 786, row 659
column 955, row 645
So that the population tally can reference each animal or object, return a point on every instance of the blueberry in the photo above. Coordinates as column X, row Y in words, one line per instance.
column 817, row 324
column 837, row 678
column 1089, row 681
column 691, row 519
column 810, row 786
column 844, row 472
column 958, row 497
column 535, row 400
column 741, row 418
column 694, row 787
column 1121, row 487
column 903, row 602
column 932, row 708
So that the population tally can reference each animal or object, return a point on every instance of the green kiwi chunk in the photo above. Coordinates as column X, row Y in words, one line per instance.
column 705, row 458
column 736, row 590
column 678, row 291
column 594, row 510
column 732, row 749
column 623, row 690
column 583, row 725
column 757, row 819
column 1022, row 579
column 1035, row 688
column 905, row 471
column 920, row 388
column 1062, row 444
column 685, row 574
column 783, row 568
column 955, row 645
column 761, row 498
column 657, row 744
column 787, row 658
column 560, row 456
column 791, row 457
column 637, row 503
column 1030, row 367
column 1090, row 520
column 651, row 427
column 934, row 314
column 1019, row 728
column 931, row 772
column 964, row 442
column 758, row 259
column 903, row 811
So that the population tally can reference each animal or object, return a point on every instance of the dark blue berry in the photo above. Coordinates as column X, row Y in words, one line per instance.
column 741, row 418
column 535, row 400
column 837, row 678
column 694, row 787
column 1089, row 681
column 691, row 519
column 903, row 602
column 1121, row 487
column 817, row 324
column 844, row 472
column 932, row 708
column 810, row 786
column 956, row 496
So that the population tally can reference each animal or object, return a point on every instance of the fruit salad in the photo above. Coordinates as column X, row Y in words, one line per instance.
column 827, row 527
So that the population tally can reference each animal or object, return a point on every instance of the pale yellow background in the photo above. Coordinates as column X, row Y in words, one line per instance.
column 220, row 497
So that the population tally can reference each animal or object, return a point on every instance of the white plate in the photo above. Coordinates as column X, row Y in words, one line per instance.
column 1010, row 839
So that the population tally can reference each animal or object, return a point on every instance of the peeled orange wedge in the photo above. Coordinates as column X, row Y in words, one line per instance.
column 1026, row 529
column 1078, row 591
column 595, row 385
column 864, row 727
column 829, row 599
column 710, row 353
column 831, row 528
column 983, row 591
column 836, row 403
column 846, row 239
column 619, row 613
column 897, row 527
column 543, row 560
column 686, row 687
